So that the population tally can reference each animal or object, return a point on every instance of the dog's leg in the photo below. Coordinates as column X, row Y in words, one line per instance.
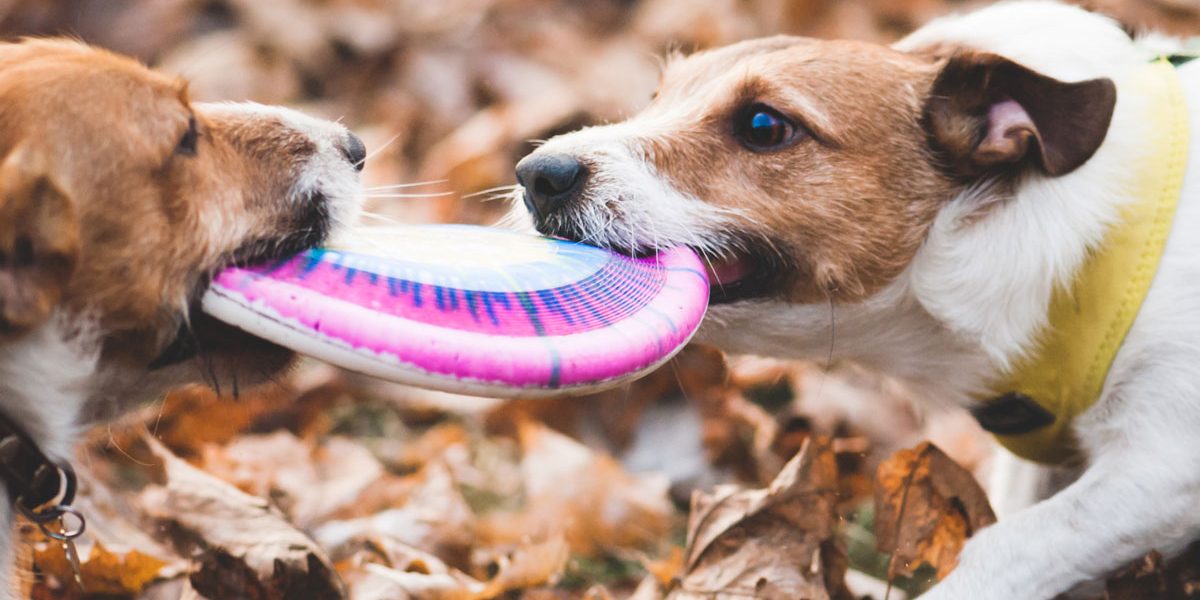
column 1014, row 484
column 1127, row 503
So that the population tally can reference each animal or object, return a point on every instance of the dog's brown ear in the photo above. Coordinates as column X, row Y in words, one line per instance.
column 39, row 245
column 987, row 114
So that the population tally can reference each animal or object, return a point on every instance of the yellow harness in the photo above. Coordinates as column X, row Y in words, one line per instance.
column 1090, row 317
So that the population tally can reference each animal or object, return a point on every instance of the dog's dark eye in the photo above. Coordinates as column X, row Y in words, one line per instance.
column 187, row 143
column 761, row 127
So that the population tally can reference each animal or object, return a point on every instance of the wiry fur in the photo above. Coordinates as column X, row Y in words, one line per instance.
column 972, row 297
column 645, row 211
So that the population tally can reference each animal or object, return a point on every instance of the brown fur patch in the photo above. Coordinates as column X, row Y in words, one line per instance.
column 849, row 205
column 140, row 223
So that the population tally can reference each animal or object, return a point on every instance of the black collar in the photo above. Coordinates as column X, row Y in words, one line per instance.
column 39, row 488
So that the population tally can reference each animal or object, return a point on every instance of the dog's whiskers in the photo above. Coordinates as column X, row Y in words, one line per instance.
column 394, row 186
column 379, row 195
column 502, row 190
column 381, row 217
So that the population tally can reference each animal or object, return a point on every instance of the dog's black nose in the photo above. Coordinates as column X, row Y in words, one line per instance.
column 354, row 150
column 550, row 181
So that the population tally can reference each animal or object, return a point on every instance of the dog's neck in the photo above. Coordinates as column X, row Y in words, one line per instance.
column 46, row 377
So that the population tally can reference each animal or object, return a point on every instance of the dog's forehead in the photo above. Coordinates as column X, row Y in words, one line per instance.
column 789, row 60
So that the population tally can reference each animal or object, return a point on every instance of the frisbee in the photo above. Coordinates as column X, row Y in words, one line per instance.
column 473, row 310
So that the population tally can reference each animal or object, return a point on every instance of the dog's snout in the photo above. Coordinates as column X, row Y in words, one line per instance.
column 354, row 150
column 550, row 181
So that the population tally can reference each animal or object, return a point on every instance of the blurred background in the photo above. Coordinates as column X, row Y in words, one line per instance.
column 396, row 492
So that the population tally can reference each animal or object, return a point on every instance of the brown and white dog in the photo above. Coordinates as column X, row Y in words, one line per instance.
column 119, row 198
column 924, row 201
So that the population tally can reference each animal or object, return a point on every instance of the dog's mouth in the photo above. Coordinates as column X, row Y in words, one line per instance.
column 200, row 334
column 747, row 268
column 739, row 276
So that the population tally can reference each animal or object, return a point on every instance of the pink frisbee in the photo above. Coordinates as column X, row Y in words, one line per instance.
column 474, row 310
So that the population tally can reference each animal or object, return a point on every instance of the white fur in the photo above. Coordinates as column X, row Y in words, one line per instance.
column 45, row 377
column 654, row 214
column 977, row 293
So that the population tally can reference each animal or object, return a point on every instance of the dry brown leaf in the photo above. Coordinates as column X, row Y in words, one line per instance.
column 308, row 481
column 427, row 578
column 1154, row 577
column 667, row 570
column 369, row 570
column 103, row 571
column 226, row 65
column 117, row 554
column 584, row 495
column 433, row 516
column 1146, row 578
column 926, row 506
column 531, row 565
column 390, row 553
column 193, row 416
column 769, row 543
column 246, row 547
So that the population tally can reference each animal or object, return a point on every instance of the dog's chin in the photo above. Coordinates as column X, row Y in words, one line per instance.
column 223, row 352
column 231, row 356
column 220, row 353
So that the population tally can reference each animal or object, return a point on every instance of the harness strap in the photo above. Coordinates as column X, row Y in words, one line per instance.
column 1091, row 315
column 38, row 487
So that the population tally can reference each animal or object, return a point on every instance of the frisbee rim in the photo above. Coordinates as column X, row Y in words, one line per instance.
column 263, row 321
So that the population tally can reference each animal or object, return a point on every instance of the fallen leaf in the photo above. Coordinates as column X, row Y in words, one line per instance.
column 769, row 543
column 307, row 480
column 1145, row 578
column 246, row 547
column 378, row 582
column 667, row 570
column 103, row 571
column 926, row 506
column 433, row 516
column 585, row 495
column 1152, row 576
column 527, row 566
column 117, row 556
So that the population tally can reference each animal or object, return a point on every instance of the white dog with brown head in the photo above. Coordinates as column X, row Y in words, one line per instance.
column 922, row 207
